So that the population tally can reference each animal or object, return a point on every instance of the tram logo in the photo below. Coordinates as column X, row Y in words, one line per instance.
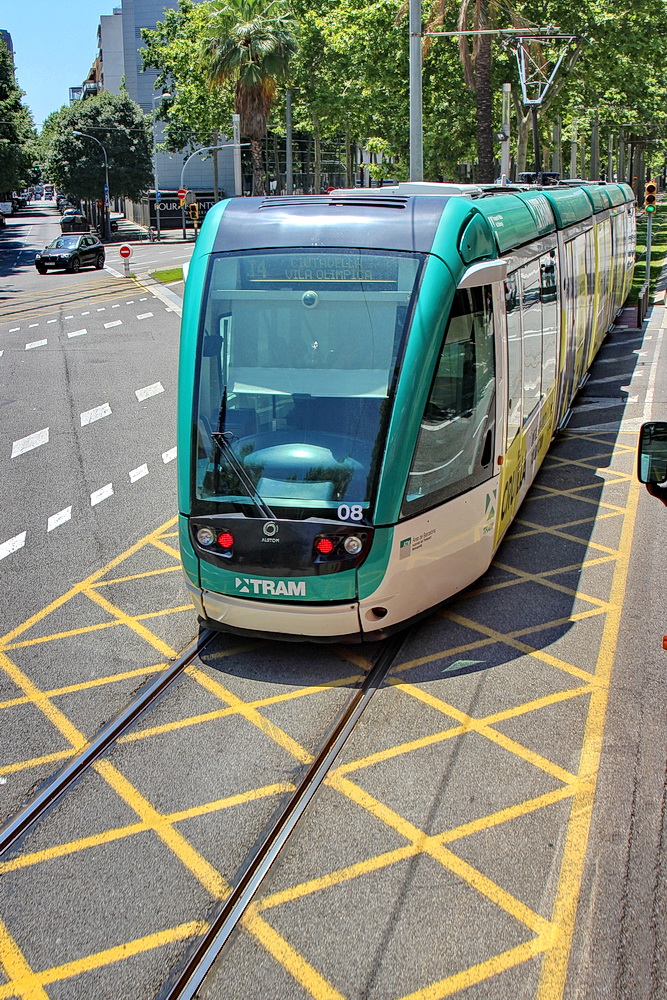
column 270, row 588
column 270, row 529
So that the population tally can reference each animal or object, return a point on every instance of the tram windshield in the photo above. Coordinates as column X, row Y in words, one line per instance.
column 298, row 356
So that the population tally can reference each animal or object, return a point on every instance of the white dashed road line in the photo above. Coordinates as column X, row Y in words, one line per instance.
column 36, row 343
column 144, row 316
column 97, row 412
column 31, row 441
column 149, row 390
column 138, row 473
column 77, row 333
column 64, row 515
column 13, row 545
column 116, row 322
column 57, row 519
column 99, row 495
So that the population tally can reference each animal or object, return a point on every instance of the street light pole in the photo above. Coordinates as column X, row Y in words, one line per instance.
column 160, row 97
column 107, row 228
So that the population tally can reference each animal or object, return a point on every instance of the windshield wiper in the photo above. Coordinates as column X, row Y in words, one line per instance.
column 223, row 443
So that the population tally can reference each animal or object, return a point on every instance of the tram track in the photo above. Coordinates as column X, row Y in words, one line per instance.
column 196, row 965
column 189, row 970
column 63, row 780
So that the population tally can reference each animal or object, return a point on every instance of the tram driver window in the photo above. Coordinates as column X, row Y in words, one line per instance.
column 455, row 445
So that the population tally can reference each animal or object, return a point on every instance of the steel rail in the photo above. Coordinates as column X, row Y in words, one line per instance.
column 189, row 978
column 60, row 782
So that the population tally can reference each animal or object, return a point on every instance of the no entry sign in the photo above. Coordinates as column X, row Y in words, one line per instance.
column 125, row 251
column 181, row 192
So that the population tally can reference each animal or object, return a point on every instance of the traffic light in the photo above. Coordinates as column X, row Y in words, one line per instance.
column 650, row 196
column 194, row 210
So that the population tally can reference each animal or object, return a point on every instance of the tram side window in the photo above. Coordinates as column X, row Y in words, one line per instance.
column 549, row 280
column 455, row 445
column 514, row 372
column 532, row 337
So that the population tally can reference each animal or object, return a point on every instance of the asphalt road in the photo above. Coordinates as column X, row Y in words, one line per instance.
column 494, row 828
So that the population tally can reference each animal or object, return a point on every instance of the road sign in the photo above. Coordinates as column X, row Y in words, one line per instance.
column 181, row 192
column 125, row 251
column 158, row 196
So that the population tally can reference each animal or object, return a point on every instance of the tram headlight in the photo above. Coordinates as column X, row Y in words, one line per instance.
column 353, row 545
column 206, row 536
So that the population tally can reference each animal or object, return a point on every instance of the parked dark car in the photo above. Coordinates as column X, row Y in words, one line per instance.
column 74, row 222
column 71, row 252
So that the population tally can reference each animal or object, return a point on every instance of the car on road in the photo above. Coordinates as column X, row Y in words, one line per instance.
column 74, row 221
column 71, row 252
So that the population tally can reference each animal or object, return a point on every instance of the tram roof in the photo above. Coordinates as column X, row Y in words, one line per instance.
column 391, row 221
column 406, row 216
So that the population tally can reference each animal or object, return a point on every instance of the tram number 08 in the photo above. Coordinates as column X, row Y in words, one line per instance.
column 347, row 512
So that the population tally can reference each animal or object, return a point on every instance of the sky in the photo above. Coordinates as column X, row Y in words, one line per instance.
column 55, row 44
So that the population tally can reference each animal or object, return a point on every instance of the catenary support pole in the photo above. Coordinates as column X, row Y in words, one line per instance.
column 416, row 131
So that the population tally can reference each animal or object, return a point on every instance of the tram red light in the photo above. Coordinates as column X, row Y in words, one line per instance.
column 324, row 546
column 225, row 540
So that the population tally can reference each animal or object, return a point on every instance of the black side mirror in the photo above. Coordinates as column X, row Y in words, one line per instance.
column 652, row 452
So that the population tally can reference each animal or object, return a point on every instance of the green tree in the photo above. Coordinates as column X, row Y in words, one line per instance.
column 250, row 42
column 76, row 163
column 17, row 135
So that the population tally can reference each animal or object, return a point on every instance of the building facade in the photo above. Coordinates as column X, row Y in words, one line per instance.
column 138, row 14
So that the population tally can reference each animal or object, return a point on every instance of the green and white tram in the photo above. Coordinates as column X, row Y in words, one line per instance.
column 369, row 381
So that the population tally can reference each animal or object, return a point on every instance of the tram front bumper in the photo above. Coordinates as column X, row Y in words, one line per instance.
column 287, row 620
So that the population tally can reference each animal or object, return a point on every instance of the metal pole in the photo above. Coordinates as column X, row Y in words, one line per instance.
column 573, row 152
column 155, row 180
column 289, row 164
column 416, row 132
column 105, row 203
column 556, row 154
column 238, row 173
column 595, row 148
column 506, row 127
column 536, row 145
column 649, row 233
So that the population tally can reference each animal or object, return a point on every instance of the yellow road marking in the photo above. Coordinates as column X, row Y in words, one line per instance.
column 432, row 846
column 138, row 576
column 203, row 871
column 555, row 965
column 17, row 969
column 132, row 623
column 83, row 585
column 85, row 685
column 121, row 832
column 301, row 970
column 37, row 980
column 57, row 718
column 269, row 729
column 483, row 970
column 236, row 709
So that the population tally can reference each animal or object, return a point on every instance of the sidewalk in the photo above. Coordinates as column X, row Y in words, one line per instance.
column 132, row 232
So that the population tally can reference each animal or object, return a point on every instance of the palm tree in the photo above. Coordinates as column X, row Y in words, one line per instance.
column 250, row 43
